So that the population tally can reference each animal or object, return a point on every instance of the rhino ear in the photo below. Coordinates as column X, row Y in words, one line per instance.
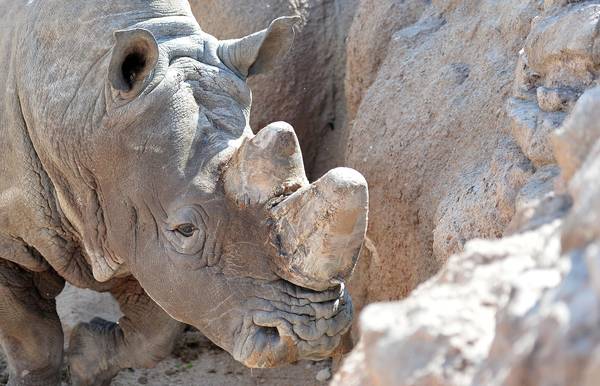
column 259, row 52
column 134, row 56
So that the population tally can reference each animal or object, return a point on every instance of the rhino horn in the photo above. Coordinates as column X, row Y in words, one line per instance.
column 319, row 230
column 266, row 166
column 259, row 52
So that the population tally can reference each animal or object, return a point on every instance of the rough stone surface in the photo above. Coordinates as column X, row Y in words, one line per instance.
column 444, row 330
column 556, row 330
column 425, row 130
column 489, row 200
column 574, row 139
column 555, row 67
column 374, row 24
column 522, row 310
column 538, row 202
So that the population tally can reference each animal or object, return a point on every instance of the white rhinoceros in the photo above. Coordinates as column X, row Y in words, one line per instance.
column 127, row 165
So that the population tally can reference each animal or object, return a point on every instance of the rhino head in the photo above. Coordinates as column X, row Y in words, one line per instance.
column 220, row 226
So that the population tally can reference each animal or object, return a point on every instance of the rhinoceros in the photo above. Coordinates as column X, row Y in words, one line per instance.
column 127, row 165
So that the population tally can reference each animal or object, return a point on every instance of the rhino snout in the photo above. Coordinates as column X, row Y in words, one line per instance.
column 301, row 324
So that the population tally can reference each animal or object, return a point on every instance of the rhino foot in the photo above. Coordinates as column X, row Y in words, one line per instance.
column 145, row 334
column 92, row 350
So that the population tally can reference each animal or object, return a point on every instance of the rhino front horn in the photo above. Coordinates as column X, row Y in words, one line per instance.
column 259, row 52
column 319, row 230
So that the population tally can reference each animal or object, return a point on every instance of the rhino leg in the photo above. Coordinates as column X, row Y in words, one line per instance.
column 30, row 330
column 144, row 335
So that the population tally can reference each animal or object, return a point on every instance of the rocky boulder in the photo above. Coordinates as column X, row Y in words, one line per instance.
column 524, row 309
column 431, row 134
column 519, row 311
column 443, row 332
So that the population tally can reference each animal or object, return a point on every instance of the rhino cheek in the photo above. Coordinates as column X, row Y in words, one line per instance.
column 196, row 297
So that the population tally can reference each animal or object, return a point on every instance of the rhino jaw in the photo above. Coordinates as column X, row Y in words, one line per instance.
column 318, row 231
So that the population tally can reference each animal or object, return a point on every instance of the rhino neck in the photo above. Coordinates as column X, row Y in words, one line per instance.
column 31, row 218
column 41, row 187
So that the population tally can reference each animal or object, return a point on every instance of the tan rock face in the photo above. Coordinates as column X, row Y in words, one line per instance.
column 374, row 24
column 484, row 207
column 573, row 141
column 522, row 310
column 443, row 331
column 556, row 65
column 431, row 136
column 518, row 311
column 556, row 329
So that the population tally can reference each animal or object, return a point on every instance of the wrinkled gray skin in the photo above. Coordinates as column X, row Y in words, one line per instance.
column 127, row 165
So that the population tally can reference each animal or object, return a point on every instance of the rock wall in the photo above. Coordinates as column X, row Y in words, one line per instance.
column 367, row 46
column 431, row 134
column 524, row 309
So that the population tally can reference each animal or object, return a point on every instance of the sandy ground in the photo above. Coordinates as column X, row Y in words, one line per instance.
column 195, row 360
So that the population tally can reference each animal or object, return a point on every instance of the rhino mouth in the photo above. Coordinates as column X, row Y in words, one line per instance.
column 299, row 324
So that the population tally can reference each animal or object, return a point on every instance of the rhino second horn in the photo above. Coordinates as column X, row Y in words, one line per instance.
column 318, row 231
column 266, row 166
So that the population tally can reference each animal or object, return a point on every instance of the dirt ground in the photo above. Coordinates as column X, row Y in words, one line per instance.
column 194, row 361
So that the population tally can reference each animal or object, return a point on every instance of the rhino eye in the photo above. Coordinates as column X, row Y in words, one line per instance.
column 186, row 230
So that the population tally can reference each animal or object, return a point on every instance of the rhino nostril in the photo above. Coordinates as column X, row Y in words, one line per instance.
column 270, row 332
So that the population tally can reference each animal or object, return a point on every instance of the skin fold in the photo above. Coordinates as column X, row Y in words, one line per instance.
column 127, row 165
